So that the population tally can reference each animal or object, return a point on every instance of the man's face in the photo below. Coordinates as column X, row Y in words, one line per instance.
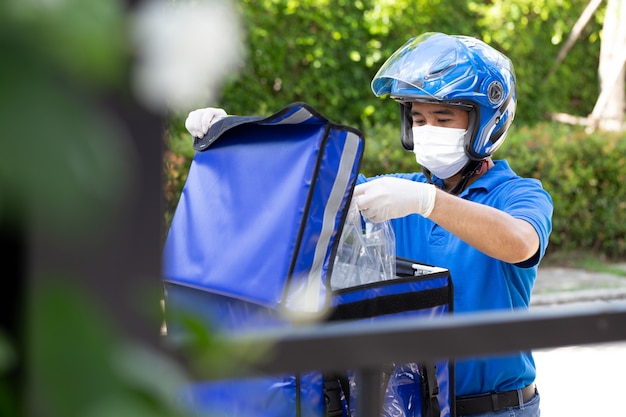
column 438, row 115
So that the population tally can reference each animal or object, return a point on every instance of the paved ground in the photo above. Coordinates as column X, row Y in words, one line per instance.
column 556, row 285
column 580, row 381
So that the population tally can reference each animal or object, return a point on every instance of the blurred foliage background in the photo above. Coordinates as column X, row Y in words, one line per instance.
column 326, row 52
column 81, row 221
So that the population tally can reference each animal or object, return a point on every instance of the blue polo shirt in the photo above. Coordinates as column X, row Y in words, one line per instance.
column 481, row 282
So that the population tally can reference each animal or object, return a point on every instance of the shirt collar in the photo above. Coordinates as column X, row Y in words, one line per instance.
column 499, row 173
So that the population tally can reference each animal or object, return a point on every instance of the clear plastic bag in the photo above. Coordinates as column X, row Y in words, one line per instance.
column 401, row 385
column 366, row 252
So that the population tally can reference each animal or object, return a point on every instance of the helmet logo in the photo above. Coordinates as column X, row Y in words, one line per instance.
column 495, row 92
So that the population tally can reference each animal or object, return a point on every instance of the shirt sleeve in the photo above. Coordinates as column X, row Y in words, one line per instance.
column 527, row 200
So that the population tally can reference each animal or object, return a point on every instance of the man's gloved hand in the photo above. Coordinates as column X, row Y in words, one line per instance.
column 199, row 121
column 387, row 198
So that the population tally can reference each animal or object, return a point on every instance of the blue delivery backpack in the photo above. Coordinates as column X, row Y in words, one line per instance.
column 253, row 243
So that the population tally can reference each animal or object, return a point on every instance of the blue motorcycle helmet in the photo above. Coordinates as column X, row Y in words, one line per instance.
column 457, row 71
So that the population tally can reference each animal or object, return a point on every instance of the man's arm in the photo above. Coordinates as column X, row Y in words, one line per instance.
column 491, row 231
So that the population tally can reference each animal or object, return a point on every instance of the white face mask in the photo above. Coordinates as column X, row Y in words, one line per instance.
column 440, row 149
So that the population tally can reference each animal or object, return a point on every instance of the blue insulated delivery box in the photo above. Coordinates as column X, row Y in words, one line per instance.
column 253, row 240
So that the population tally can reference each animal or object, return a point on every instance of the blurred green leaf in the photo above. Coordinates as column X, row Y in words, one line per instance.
column 8, row 362
column 63, row 155
column 84, row 38
column 81, row 365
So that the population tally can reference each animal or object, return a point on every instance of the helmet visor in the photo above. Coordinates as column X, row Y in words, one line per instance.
column 432, row 66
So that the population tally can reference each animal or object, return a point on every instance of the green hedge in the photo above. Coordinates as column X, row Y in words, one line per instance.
column 326, row 53
column 585, row 175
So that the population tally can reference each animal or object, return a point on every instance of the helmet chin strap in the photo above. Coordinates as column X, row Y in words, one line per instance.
column 471, row 168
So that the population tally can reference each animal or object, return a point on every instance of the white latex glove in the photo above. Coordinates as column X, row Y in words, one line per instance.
column 199, row 121
column 387, row 198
